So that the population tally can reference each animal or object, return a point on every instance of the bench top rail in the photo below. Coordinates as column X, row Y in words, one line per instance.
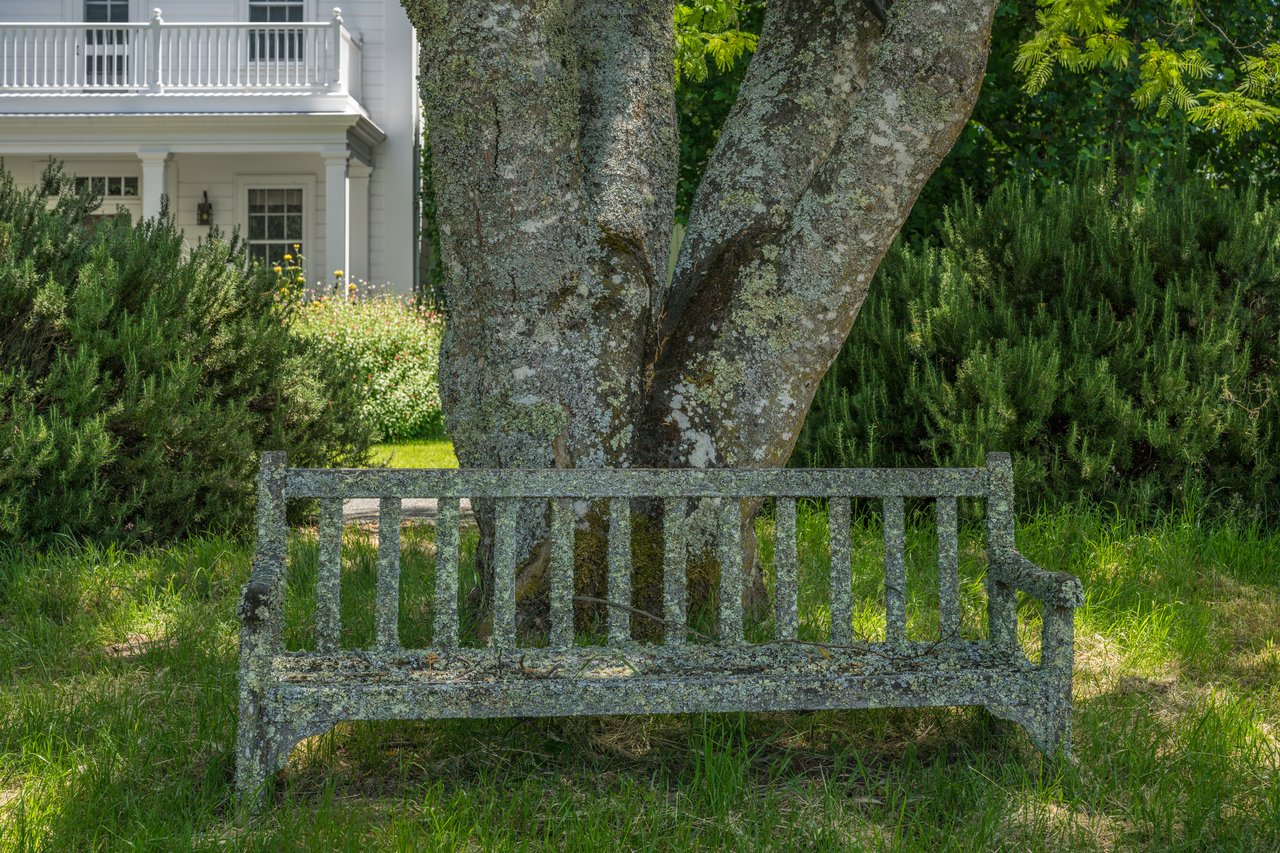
column 637, row 483
column 558, row 489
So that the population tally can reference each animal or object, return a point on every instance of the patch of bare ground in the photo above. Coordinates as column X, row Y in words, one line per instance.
column 135, row 645
column 1102, row 667
column 1030, row 823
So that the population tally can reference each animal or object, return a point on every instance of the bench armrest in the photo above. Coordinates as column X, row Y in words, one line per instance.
column 1055, row 588
column 260, row 599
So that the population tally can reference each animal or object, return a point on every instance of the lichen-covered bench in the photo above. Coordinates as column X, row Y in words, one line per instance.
column 288, row 695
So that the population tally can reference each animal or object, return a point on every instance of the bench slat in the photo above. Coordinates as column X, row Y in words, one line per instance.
column 841, row 571
column 445, row 631
column 948, row 569
column 387, row 604
column 673, row 571
column 594, row 484
column 562, row 529
column 619, row 620
column 895, row 575
column 730, row 554
column 504, row 576
column 329, row 576
column 785, row 587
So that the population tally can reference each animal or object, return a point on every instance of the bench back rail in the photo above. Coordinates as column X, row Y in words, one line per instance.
column 678, row 490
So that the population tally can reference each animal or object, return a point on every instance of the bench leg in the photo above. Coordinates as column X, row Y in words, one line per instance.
column 1047, row 720
column 256, row 754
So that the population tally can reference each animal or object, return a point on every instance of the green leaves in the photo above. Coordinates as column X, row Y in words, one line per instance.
column 1084, row 35
column 710, row 29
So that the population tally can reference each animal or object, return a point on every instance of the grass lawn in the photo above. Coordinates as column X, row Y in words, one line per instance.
column 416, row 453
column 117, row 718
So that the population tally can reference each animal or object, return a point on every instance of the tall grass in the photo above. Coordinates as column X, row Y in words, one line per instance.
column 117, row 716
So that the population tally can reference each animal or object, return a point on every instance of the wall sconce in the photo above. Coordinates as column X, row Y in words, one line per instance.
column 204, row 211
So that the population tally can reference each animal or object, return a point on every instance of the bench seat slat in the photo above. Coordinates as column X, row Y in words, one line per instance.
column 841, row 571
column 948, row 569
column 619, row 593
column 329, row 576
column 786, row 595
column 674, row 566
column 730, row 559
column 387, row 603
column 445, row 631
column 504, row 576
column 562, row 530
column 895, row 575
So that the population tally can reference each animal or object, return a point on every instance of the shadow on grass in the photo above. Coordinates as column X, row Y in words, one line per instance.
column 1175, row 720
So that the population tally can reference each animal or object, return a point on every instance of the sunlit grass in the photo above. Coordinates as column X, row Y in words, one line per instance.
column 424, row 453
column 117, row 717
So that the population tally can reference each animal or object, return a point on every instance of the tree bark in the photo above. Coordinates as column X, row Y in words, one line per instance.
column 554, row 152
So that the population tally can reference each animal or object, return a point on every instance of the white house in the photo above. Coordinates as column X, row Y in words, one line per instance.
column 290, row 119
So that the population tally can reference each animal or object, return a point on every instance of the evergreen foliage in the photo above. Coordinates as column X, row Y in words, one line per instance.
column 1123, row 346
column 139, row 382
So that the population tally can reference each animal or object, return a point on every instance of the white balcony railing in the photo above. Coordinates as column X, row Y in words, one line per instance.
column 161, row 57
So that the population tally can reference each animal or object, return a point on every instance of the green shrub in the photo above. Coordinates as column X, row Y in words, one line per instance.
column 139, row 382
column 389, row 351
column 1124, row 347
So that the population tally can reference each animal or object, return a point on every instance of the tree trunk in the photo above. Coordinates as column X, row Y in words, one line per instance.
column 554, row 154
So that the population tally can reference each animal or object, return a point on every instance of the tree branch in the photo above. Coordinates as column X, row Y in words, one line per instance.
column 742, row 361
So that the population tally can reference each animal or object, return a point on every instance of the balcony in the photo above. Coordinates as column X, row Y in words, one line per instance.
column 179, row 67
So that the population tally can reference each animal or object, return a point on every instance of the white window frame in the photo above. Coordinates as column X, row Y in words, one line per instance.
column 102, row 168
column 307, row 183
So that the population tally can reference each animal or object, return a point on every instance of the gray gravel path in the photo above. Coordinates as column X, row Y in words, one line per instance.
column 424, row 509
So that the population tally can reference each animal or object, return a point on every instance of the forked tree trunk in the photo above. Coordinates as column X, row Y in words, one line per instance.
column 554, row 151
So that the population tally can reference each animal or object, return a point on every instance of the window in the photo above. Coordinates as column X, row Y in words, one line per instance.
column 106, row 49
column 277, row 43
column 106, row 11
column 275, row 223
column 108, row 186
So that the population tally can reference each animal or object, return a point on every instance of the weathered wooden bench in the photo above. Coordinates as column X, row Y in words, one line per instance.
column 288, row 695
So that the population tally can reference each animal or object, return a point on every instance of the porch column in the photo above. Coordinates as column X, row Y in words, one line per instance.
column 358, row 229
column 155, row 167
column 336, row 199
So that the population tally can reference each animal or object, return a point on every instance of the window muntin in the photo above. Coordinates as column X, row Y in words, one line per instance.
column 106, row 11
column 275, row 44
column 275, row 223
column 108, row 186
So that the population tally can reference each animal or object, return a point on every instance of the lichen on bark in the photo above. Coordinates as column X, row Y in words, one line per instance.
column 554, row 152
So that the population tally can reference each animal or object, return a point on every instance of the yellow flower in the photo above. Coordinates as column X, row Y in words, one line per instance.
column 276, row 268
column 351, row 288
column 288, row 257
column 301, row 279
column 337, row 273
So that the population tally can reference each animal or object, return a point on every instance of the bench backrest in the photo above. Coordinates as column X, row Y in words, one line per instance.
column 726, row 488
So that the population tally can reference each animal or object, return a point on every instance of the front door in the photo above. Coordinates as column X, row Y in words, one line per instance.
column 106, row 50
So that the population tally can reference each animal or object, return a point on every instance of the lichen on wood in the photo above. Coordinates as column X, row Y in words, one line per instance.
column 672, row 668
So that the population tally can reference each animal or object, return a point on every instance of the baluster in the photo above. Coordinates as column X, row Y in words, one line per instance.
column 730, row 547
column 445, row 632
column 329, row 575
column 948, row 568
column 562, row 528
column 504, row 576
column 841, row 571
column 785, row 588
column 619, row 620
column 895, row 581
column 673, row 571
column 387, row 610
